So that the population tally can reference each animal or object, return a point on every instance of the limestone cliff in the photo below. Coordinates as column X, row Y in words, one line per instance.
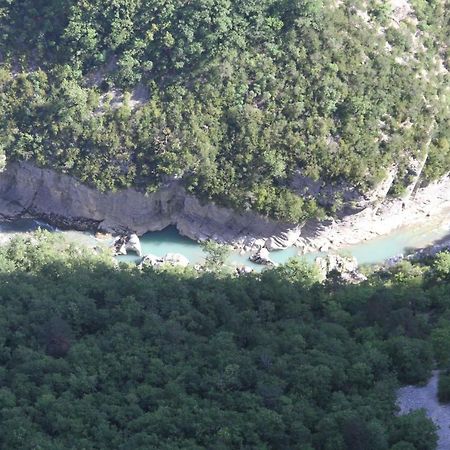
column 29, row 191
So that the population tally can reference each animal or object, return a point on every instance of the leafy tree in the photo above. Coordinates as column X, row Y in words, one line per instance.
column 444, row 387
column 216, row 254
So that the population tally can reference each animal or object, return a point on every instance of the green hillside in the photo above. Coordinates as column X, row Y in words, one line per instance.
column 234, row 97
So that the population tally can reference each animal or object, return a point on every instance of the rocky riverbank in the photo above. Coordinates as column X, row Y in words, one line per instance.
column 380, row 217
column 29, row 191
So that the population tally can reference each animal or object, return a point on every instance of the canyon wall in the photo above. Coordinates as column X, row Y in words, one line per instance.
column 29, row 191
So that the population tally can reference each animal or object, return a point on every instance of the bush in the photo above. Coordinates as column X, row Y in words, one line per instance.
column 444, row 387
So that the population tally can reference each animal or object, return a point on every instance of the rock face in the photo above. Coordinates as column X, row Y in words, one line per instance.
column 284, row 239
column 29, row 191
column 123, row 244
column 378, row 217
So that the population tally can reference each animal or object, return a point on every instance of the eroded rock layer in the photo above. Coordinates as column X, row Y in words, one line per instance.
column 29, row 191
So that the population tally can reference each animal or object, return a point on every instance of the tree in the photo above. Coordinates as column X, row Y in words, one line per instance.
column 58, row 337
column 216, row 254
column 444, row 386
column 416, row 429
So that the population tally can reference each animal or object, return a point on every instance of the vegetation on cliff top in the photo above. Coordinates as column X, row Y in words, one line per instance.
column 95, row 357
column 231, row 96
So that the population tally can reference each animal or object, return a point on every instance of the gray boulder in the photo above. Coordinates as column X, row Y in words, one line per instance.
column 262, row 257
column 176, row 259
column 347, row 267
column 243, row 270
column 173, row 259
column 123, row 244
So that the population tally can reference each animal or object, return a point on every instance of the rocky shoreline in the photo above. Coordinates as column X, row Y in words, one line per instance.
column 426, row 204
column 27, row 191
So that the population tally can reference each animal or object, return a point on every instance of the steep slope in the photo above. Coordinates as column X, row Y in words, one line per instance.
column 235, row 100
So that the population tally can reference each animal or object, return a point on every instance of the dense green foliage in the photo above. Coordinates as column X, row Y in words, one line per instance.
column 444, row 387
column 236, row 95
column 216, row 254
column 94, row 357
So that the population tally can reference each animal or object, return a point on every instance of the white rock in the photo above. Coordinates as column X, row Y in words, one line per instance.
column 151, row 260
column 176, row 259
column 133, row 244
column 284, row 239
column 262, row 257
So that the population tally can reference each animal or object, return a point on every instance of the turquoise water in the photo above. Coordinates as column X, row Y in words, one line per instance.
column 401, row 241
column 160, row 243
column 170, row 241
column 370, row 252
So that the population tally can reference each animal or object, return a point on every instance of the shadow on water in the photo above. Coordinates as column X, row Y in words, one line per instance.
column 24, row 226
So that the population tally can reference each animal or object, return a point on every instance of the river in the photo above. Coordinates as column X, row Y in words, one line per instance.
column 170, row 241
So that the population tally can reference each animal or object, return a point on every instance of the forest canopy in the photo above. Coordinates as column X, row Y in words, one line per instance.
column 232, row 97
column 95, row 355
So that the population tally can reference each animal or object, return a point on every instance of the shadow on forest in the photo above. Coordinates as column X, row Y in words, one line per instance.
column 177, row 359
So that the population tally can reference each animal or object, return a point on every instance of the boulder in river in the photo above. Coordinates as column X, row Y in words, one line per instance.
column 123, row 244
column 134, row 244
column 174, row 259
column 262, row 257
column 243, row 270
column 151, row 260
column 346, row 267
column 119, row 246
column 394, row 260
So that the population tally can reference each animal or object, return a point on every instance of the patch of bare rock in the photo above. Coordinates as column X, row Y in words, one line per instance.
column 171, row 259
